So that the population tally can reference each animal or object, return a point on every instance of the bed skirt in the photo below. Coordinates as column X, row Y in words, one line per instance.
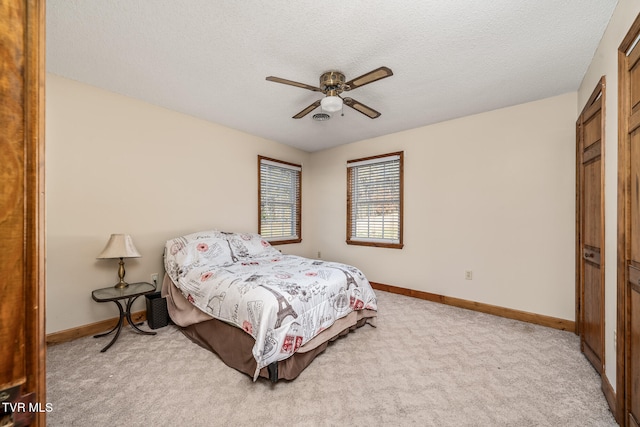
column 234, row 346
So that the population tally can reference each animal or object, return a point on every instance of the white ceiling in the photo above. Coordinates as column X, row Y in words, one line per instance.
column 209, row 58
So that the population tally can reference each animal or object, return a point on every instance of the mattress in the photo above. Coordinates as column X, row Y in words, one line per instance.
column 233, row 345
column 241, row 298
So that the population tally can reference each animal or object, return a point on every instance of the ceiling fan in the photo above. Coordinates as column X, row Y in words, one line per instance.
column 332, row 84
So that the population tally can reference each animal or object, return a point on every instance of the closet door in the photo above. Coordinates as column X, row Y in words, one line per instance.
column 22, row 333
column 590, row 131
column 628, row 366
column 633, row 260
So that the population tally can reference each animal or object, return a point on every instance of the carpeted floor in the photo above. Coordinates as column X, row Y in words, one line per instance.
column 426, row 364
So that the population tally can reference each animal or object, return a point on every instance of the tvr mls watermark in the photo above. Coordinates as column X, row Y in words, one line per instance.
column 9, row 407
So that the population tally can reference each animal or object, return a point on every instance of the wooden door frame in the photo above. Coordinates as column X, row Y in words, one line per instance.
column 624, row 224
column 579, row 305
column 35, row 243
column 27, row 44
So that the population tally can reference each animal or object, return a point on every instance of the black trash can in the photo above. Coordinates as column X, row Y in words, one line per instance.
column 157, row 314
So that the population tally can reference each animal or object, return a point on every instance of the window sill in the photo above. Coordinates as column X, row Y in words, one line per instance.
column 283, row 242
column 376, row 244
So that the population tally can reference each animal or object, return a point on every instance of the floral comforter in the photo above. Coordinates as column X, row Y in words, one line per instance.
column 281, row 300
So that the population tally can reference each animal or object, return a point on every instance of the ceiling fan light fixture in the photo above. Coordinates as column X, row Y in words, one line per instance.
column 331, row 104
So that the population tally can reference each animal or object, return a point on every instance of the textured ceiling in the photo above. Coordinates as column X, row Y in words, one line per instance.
column 209, row 58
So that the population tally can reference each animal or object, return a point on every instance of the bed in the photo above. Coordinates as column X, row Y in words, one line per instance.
column 264, row 313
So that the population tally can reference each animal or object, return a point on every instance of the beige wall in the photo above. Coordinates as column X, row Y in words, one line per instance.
column 492, row 193
column 118, row 165
column 605, row 63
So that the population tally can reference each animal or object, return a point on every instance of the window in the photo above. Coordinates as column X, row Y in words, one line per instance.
column 374, row 201
column 279, row 201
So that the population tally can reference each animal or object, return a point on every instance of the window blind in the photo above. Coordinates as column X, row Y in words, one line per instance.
column 279, row 200
column 375, row 200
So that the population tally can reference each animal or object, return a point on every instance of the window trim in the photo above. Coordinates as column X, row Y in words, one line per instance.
column 298, row 220
column 374, row 242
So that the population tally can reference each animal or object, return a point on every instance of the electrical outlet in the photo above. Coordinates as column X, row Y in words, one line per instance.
column 319, row 255
column 154, row 279
column 468, row 275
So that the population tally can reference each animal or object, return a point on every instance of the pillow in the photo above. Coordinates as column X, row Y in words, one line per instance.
column 212, row 248
column 194, row 250
column 250, row 245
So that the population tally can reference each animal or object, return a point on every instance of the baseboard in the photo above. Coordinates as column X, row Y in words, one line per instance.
column 610, row 396
column 538, row 319
column 91, row 329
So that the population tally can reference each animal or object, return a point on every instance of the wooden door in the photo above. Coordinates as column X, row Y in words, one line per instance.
column 628, row 365
column 590, row 215
column 22, row 333
column 633, row 260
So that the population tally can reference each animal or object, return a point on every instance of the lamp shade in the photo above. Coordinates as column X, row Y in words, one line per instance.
column 331, row 103
column 119, row 246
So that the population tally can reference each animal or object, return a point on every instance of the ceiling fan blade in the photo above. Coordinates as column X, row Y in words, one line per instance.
column 370, row 77
column 358, row 106
column 307, row 110
column 292, row 83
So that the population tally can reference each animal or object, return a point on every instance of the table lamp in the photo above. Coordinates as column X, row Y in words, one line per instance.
column 120, row 246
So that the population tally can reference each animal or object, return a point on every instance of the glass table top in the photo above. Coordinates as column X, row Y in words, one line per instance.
column 112, row 293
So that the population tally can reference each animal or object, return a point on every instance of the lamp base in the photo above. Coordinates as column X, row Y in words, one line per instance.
column 121, row 285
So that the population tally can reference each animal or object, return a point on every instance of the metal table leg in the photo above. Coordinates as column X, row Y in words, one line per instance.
column 116, row 328
column 133, row 325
